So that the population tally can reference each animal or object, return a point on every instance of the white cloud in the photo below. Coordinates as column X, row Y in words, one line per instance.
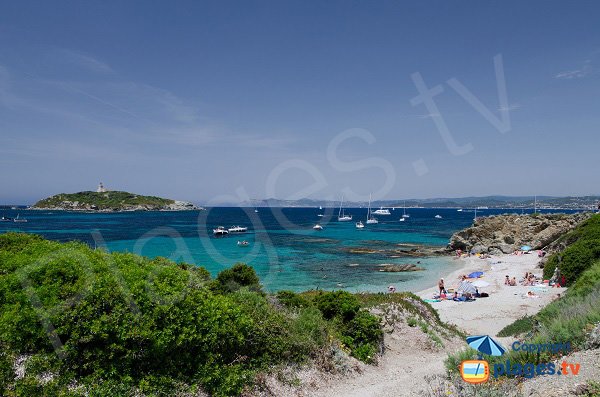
column 584, row 71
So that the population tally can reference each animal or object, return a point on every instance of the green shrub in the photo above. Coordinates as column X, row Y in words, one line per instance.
column 362, row 335
column 340, row 304
column 236, row 277
column 582, row 251
column 520, row 326
column 292, row 300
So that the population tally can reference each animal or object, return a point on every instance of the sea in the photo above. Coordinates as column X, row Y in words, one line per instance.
column 283, row 248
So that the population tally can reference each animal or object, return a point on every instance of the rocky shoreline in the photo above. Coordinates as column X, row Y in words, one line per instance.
column 504, row 234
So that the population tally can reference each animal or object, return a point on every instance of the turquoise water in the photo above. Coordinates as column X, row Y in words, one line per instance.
column 284, row 249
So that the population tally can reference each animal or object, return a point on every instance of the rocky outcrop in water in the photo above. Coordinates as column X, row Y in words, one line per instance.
column 507, row 233
column 404, row 267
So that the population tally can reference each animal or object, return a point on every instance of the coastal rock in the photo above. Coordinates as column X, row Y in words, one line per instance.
column 404, row 267
column 507, row 233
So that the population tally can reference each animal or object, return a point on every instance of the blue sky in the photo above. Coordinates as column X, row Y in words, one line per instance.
column 227, row 100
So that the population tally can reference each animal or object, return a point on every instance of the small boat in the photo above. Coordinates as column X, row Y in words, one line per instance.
column 382, row 211
column 371, row 220
column 243, row 243
column 460, row 210
column 256, row 210
column 237, row 229
column 220, row 231
column 359, row 225
column 19, row 220
column 438, row 217
column 320, row 207
column 5, row 219
column 402, row 219
column 342, row 217
column 404, row 214
column 318, row 227
column 320, row 215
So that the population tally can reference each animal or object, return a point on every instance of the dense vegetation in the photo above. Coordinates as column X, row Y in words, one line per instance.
column 77, row 321
column 582, row 250
column 575, row 317
column 112, row 200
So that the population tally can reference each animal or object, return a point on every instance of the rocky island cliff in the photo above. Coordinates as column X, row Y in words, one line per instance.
column 507, row 233
column 111, row 201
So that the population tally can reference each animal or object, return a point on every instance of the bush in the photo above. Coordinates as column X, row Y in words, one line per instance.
column 583, row 250
column 363, row 335
column 238, row 276
column 520, row 326
column 340, row 304
column 292, row 300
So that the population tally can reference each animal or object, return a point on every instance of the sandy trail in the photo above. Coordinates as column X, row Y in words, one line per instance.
column 405, row 365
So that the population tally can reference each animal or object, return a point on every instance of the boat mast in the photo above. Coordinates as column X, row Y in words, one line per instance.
column 341, row 203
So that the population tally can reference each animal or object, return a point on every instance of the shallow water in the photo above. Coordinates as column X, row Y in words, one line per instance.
column 284, row 249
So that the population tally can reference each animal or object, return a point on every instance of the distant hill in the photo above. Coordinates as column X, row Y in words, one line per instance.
column 111, row 201
column 570, row 202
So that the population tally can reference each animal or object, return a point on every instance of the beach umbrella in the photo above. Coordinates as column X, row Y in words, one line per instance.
column 480, row 283
column 475, row 275
column 486, row 345
column 526, row 248
column 466, row 286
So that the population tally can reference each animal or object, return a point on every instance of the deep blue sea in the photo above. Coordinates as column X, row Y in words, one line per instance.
column 284, row 249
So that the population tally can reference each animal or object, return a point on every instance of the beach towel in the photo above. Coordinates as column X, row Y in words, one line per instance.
column 432, row 300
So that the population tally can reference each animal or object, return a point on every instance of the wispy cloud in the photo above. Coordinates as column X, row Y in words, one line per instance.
column 84, row 61
column 585, row 70
column 509, row 108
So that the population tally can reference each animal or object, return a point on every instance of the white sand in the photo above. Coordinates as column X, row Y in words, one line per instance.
column 487, row 316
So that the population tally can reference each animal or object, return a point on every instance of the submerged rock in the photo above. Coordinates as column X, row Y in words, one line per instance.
column 404, row 267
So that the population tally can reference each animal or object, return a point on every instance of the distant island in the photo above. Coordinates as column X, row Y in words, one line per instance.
column 111, row 201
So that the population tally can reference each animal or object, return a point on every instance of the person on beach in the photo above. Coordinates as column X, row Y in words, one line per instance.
column 441, row 286
column 507, row 280
column 513, row 282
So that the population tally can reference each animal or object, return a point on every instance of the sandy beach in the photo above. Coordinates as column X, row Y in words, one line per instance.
column 487, row 316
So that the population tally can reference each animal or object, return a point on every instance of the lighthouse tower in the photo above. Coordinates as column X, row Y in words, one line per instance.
column 101, row 188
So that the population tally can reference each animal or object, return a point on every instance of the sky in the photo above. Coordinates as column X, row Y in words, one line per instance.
column 226, row 101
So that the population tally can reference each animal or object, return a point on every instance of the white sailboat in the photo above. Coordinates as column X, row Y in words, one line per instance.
column 342, row 217
column 360, row 225
column 404, row 214
column 370, row 218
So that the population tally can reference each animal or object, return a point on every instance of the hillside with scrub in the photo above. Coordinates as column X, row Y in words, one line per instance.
column 110, row 201
column 76, row 321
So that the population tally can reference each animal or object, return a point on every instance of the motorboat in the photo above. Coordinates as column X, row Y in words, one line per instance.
column 382, row 211
column 320, row 215
column 237, row 229
column 220, row 231
column 371, row 220
column 438, row 217
column 402, row 219
column 342, row 217
column 5, row 219
column 243, row 243
column 318, row 227
column 19, row 220
column 460, row 210
column 360, row 225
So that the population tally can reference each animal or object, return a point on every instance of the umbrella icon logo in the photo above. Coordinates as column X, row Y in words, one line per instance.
column 485, row 345
column 478, row 371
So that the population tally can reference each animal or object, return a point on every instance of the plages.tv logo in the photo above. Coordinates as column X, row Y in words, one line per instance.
column 478, row 371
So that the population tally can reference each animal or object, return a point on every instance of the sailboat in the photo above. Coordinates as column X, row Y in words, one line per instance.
column 360, row 225
column 342, row 217
column 370, row 218
column 404, row 214
column 19, row 220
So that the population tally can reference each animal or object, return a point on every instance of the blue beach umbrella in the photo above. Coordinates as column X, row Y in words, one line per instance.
column 525, row 248
column 486, row 345
column 475, row 275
